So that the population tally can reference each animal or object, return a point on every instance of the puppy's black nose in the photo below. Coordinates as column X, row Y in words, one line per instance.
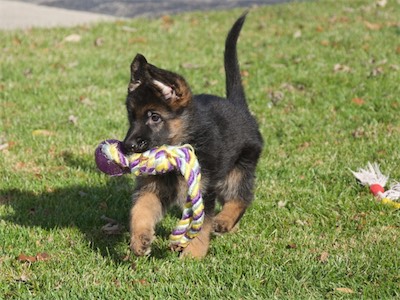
column 136, row 146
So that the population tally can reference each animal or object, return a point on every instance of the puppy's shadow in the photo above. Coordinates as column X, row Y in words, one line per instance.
column 81, row 206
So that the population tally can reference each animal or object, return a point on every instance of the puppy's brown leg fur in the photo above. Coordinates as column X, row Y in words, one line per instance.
column 231, row 213
column 145, row 214
column 198, row 247
column 234, row 204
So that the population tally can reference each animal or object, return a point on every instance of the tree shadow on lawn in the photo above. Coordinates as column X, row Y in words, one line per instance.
column 82, row 206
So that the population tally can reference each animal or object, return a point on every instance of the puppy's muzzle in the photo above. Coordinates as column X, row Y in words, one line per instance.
column 136, row 145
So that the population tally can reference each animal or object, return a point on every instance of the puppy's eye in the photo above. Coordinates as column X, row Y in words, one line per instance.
column 153, row 117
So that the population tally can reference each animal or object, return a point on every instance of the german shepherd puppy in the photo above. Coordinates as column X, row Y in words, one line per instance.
column 162, row 110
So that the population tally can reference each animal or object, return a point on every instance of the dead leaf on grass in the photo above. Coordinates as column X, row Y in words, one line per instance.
column 73, row 38
column 344, row 290
column 167, row 21
column 358, row 101
column 276, row 96
column 140, row 281
column 395, row 67
column 23, row 278
column 359, row 132
column 297, row 34
column 341, row 68
column 42, row 132
column 86, row 101
column 291, row 246
column 282, row 204
column 43, row 256
column 372, row 26
column 26, row 258
column 4, row 146
column 323, row 257
column 376, row 71
column 99, row 42
column 112, row 227
column 73, row 119
column 138, row 40
column 324, row 43
column 381, row 3
column 128, row 29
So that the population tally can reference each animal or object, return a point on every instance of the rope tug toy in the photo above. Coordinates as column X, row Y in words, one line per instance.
column 111, row 160
column 373, row 177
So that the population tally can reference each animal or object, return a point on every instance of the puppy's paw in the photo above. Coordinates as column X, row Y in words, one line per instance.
column 223, row 224
column 196, row 249
column 141, row 243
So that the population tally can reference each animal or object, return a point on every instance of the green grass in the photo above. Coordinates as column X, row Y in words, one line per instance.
column 52, row 197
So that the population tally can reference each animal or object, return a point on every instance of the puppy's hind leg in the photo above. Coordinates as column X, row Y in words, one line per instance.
column 235, row 193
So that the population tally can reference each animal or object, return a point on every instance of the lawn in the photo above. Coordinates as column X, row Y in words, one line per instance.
column 322, row 78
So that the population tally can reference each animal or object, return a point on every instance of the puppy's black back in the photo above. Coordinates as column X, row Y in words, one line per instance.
column 224, row 133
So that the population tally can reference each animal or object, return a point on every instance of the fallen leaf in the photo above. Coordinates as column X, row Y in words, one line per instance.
column 372, row 26
column 324, row 43
column 73, row 119
column 43, row 256
column 297, row 34
column 291, row 246
column 26, row 258
column 381, row 3
column 276, row 96
column 304, row 146
column 358, row 101
column 117, row 283
column 244, row 73
column 282, row 204
column 301, row 223
column 103, row 205
column 128, row 29
column 323, row 257
column 395, row 67
column 72, row 38
column 28, row 73
column 140, row 281
column 126, row 257
column 3, row 146
column 23, row 278
column 112, row 227
column 376, row 71
column 42, row 132
column 341, row 68
column 345, row 290
column 99, row 42
column 86, row 101
column 167, row 21
column 138, row 40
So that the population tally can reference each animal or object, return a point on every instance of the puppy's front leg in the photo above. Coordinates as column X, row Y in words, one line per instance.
column 198, row 247
column 145, row 213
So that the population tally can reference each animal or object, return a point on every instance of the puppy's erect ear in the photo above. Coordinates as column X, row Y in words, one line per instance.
column 168, row 92
column 138, row 71
column 173, row 90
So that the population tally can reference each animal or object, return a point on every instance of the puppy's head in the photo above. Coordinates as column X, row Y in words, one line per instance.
column 158, row 105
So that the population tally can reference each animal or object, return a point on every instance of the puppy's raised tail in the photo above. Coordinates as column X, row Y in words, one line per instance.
column 234, row 87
